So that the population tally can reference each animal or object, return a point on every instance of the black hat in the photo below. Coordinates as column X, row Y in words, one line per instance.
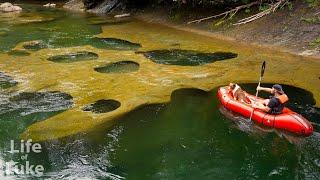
column 278, row 87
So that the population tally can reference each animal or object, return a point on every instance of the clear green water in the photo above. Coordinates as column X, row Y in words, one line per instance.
column 186, row 139
column 59, row 29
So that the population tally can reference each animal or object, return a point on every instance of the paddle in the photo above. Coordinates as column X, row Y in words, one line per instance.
column 261, row 75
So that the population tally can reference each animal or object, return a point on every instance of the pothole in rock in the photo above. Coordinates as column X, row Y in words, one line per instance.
column 186, row 57
column 119, row 67
column 34, row 45
column 6, row 81
column 18, row 53
column 103, row 106
column 115, row 44
column 74, row 57
column 34, row 102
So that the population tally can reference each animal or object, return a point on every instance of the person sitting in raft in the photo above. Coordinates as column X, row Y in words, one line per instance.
column 237, row 93
column 275, row 104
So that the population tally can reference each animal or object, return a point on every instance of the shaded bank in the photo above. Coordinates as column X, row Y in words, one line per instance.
column 294, row 28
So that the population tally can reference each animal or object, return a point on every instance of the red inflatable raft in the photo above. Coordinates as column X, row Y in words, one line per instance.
column 289, row 120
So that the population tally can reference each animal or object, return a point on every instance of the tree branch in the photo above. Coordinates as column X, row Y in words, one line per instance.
column 272, row 8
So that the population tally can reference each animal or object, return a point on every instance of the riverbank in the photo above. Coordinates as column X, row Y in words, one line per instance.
column 296, row 31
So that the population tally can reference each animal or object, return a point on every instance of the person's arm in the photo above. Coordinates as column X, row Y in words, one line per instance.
column 259, row 88
column 261, row 107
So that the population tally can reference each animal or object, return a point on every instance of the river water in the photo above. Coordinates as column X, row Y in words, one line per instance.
column 187, row 138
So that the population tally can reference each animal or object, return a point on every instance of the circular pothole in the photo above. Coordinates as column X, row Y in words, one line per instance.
column 6, row 81
column 35, row 102
column 115, row 44
column 186, row 57
column 74, row 57
column 34, row 45
column 103, row 106
column 18, row 53
column 119, row 67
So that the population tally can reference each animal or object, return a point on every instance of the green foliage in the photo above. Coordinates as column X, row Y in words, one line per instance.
column 175, row 17
column 313, row 20
column 316, row 42
column 313, row 3
column 263, row 7
column 290, row 5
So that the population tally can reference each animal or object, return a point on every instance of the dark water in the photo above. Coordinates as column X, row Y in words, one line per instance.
column 186, row 139
column 103, row 106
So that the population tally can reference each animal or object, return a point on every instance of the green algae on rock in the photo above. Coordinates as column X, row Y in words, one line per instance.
column 74, row 57
column 186, row 57
column 103, row 106
column 18, row 53
column 118, row 67
column 115, row 44
column 6, row 81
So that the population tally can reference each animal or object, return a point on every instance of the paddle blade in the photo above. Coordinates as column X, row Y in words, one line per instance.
column 263, row 68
